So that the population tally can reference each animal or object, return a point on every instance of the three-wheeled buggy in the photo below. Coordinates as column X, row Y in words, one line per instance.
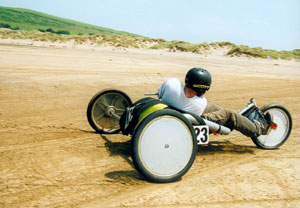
column 164, row 140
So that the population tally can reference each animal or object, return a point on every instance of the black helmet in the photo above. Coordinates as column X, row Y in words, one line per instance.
column 198, row 79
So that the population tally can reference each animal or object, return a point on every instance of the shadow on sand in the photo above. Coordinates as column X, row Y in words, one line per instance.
column 218, row 147
column 122, row 149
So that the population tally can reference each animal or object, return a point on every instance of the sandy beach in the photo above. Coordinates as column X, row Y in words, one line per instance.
column 51, row 157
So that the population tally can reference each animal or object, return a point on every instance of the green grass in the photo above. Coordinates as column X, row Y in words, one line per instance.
column 26, row 19
column 183, row 46
column 263, row 53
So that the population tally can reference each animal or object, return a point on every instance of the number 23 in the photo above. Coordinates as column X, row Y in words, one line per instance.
column 202, row 134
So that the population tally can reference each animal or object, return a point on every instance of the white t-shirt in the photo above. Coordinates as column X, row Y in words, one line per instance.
column 171, row 92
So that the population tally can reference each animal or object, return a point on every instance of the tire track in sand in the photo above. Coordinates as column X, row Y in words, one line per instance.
column 152, row 186
column 141, row 192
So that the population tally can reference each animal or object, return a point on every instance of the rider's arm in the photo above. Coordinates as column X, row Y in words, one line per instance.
column 160, row 90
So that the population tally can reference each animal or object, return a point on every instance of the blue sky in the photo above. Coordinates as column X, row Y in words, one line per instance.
column 271, row 24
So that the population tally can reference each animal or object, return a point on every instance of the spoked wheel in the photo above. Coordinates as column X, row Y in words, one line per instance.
column 164, row 146
column 280, row 131
column 102, row 107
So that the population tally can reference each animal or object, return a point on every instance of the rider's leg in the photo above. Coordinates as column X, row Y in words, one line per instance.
column 235, row 121
column 211, row 107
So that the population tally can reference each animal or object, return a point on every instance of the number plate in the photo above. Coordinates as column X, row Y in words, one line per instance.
column 202, row 134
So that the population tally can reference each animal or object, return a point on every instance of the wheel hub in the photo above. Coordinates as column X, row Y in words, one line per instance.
column 110, row 110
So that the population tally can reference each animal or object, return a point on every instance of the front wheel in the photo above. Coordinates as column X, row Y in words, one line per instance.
column 278, row 135
column 164, row 146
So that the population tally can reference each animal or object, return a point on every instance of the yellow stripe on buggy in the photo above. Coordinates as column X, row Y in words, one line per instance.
column 151, row 109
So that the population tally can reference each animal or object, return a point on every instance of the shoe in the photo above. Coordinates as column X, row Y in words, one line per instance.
column 264, row 123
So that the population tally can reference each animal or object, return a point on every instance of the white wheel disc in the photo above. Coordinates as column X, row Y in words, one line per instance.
column 165, row 146
column 277, row 135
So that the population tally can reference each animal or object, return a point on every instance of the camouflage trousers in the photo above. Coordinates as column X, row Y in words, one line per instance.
column 230, row 119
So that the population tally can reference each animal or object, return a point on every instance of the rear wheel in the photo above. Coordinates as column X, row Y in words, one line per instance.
column 279, row 133
column 101, row 107
column 164, row 146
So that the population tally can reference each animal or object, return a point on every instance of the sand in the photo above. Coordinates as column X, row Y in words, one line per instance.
column 51, row 157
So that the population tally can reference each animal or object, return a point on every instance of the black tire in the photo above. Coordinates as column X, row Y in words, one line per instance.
column 164, row 146
column 276, row 137
column 97, row 110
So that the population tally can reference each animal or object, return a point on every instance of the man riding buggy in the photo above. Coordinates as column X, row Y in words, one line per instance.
column 166, row 131
column 190, row 98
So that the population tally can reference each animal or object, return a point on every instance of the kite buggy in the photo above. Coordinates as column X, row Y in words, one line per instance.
column 164, row 139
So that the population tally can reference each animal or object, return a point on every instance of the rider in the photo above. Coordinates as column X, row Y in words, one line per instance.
column 190, row 98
